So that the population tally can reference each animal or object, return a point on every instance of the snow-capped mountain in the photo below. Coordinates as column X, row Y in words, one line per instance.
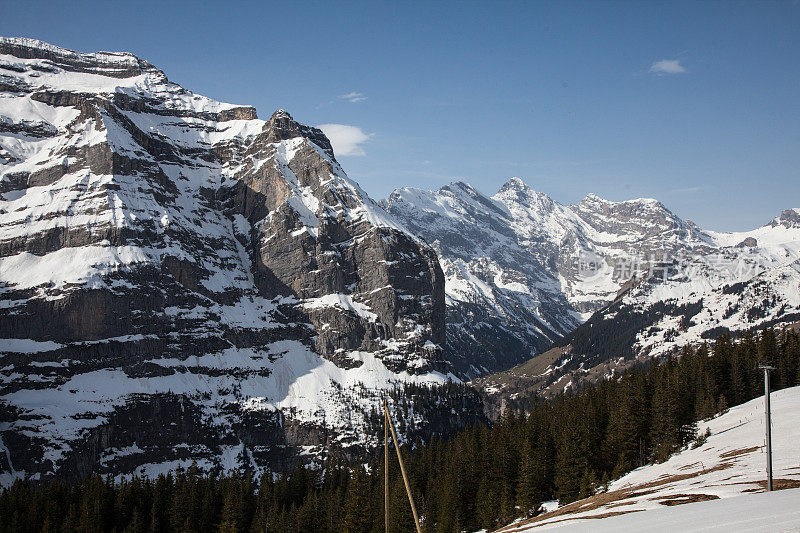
column 522, row 270
column 181, row 281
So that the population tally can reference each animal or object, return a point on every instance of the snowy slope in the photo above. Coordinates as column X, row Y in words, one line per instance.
column 775, row 512
column 730, row 463
column 182, row 281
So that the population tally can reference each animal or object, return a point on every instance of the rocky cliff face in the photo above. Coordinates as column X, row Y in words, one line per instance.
column 181, row 281
column 522, row 270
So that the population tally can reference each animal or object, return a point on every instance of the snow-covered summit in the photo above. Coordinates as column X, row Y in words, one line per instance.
column 515, row 184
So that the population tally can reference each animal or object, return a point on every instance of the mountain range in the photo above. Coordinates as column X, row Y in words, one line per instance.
column 524, row 273
column 184, row 282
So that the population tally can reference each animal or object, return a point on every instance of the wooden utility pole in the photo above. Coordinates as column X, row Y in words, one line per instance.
column 402, row 467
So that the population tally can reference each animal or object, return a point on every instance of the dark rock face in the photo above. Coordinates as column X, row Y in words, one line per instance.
column 181, row 281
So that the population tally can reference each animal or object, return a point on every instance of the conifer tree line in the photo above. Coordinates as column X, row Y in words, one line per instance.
column 483, row 477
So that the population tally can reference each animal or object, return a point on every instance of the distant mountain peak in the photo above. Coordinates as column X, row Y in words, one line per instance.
column 459, row 184
column 789, row 218
column 515, row 184
column 460, row 188
column 594, row 198
column 282, row 127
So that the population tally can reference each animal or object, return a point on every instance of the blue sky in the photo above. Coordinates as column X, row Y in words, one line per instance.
column 696, row 104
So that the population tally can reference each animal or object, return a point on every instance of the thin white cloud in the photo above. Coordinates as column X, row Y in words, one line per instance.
column 353, row 97
column 346, row 139
column 667, row 66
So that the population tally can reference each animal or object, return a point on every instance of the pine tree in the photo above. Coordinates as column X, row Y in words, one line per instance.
column 357, row 516
column 401, row 519
column 665, row 431
column 768, row 346
column 588, row 483
column 136, row 524
column 161, row 496
column 623, row 432
column 528, row 496
column 720, row 362
column 232, row 518
column 447, row 499
column 572, row 457
column 208, row 510
column 488, row 504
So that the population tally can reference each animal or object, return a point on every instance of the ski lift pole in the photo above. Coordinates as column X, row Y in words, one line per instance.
column 767, row 369
column 402, row 465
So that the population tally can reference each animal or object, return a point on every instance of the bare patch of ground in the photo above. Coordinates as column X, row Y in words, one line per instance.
column 607, row 498
column 516, row 527
column 620, row 504
column 777, row 484
column 610, row 513
column 739, row 452
column 680, row 499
